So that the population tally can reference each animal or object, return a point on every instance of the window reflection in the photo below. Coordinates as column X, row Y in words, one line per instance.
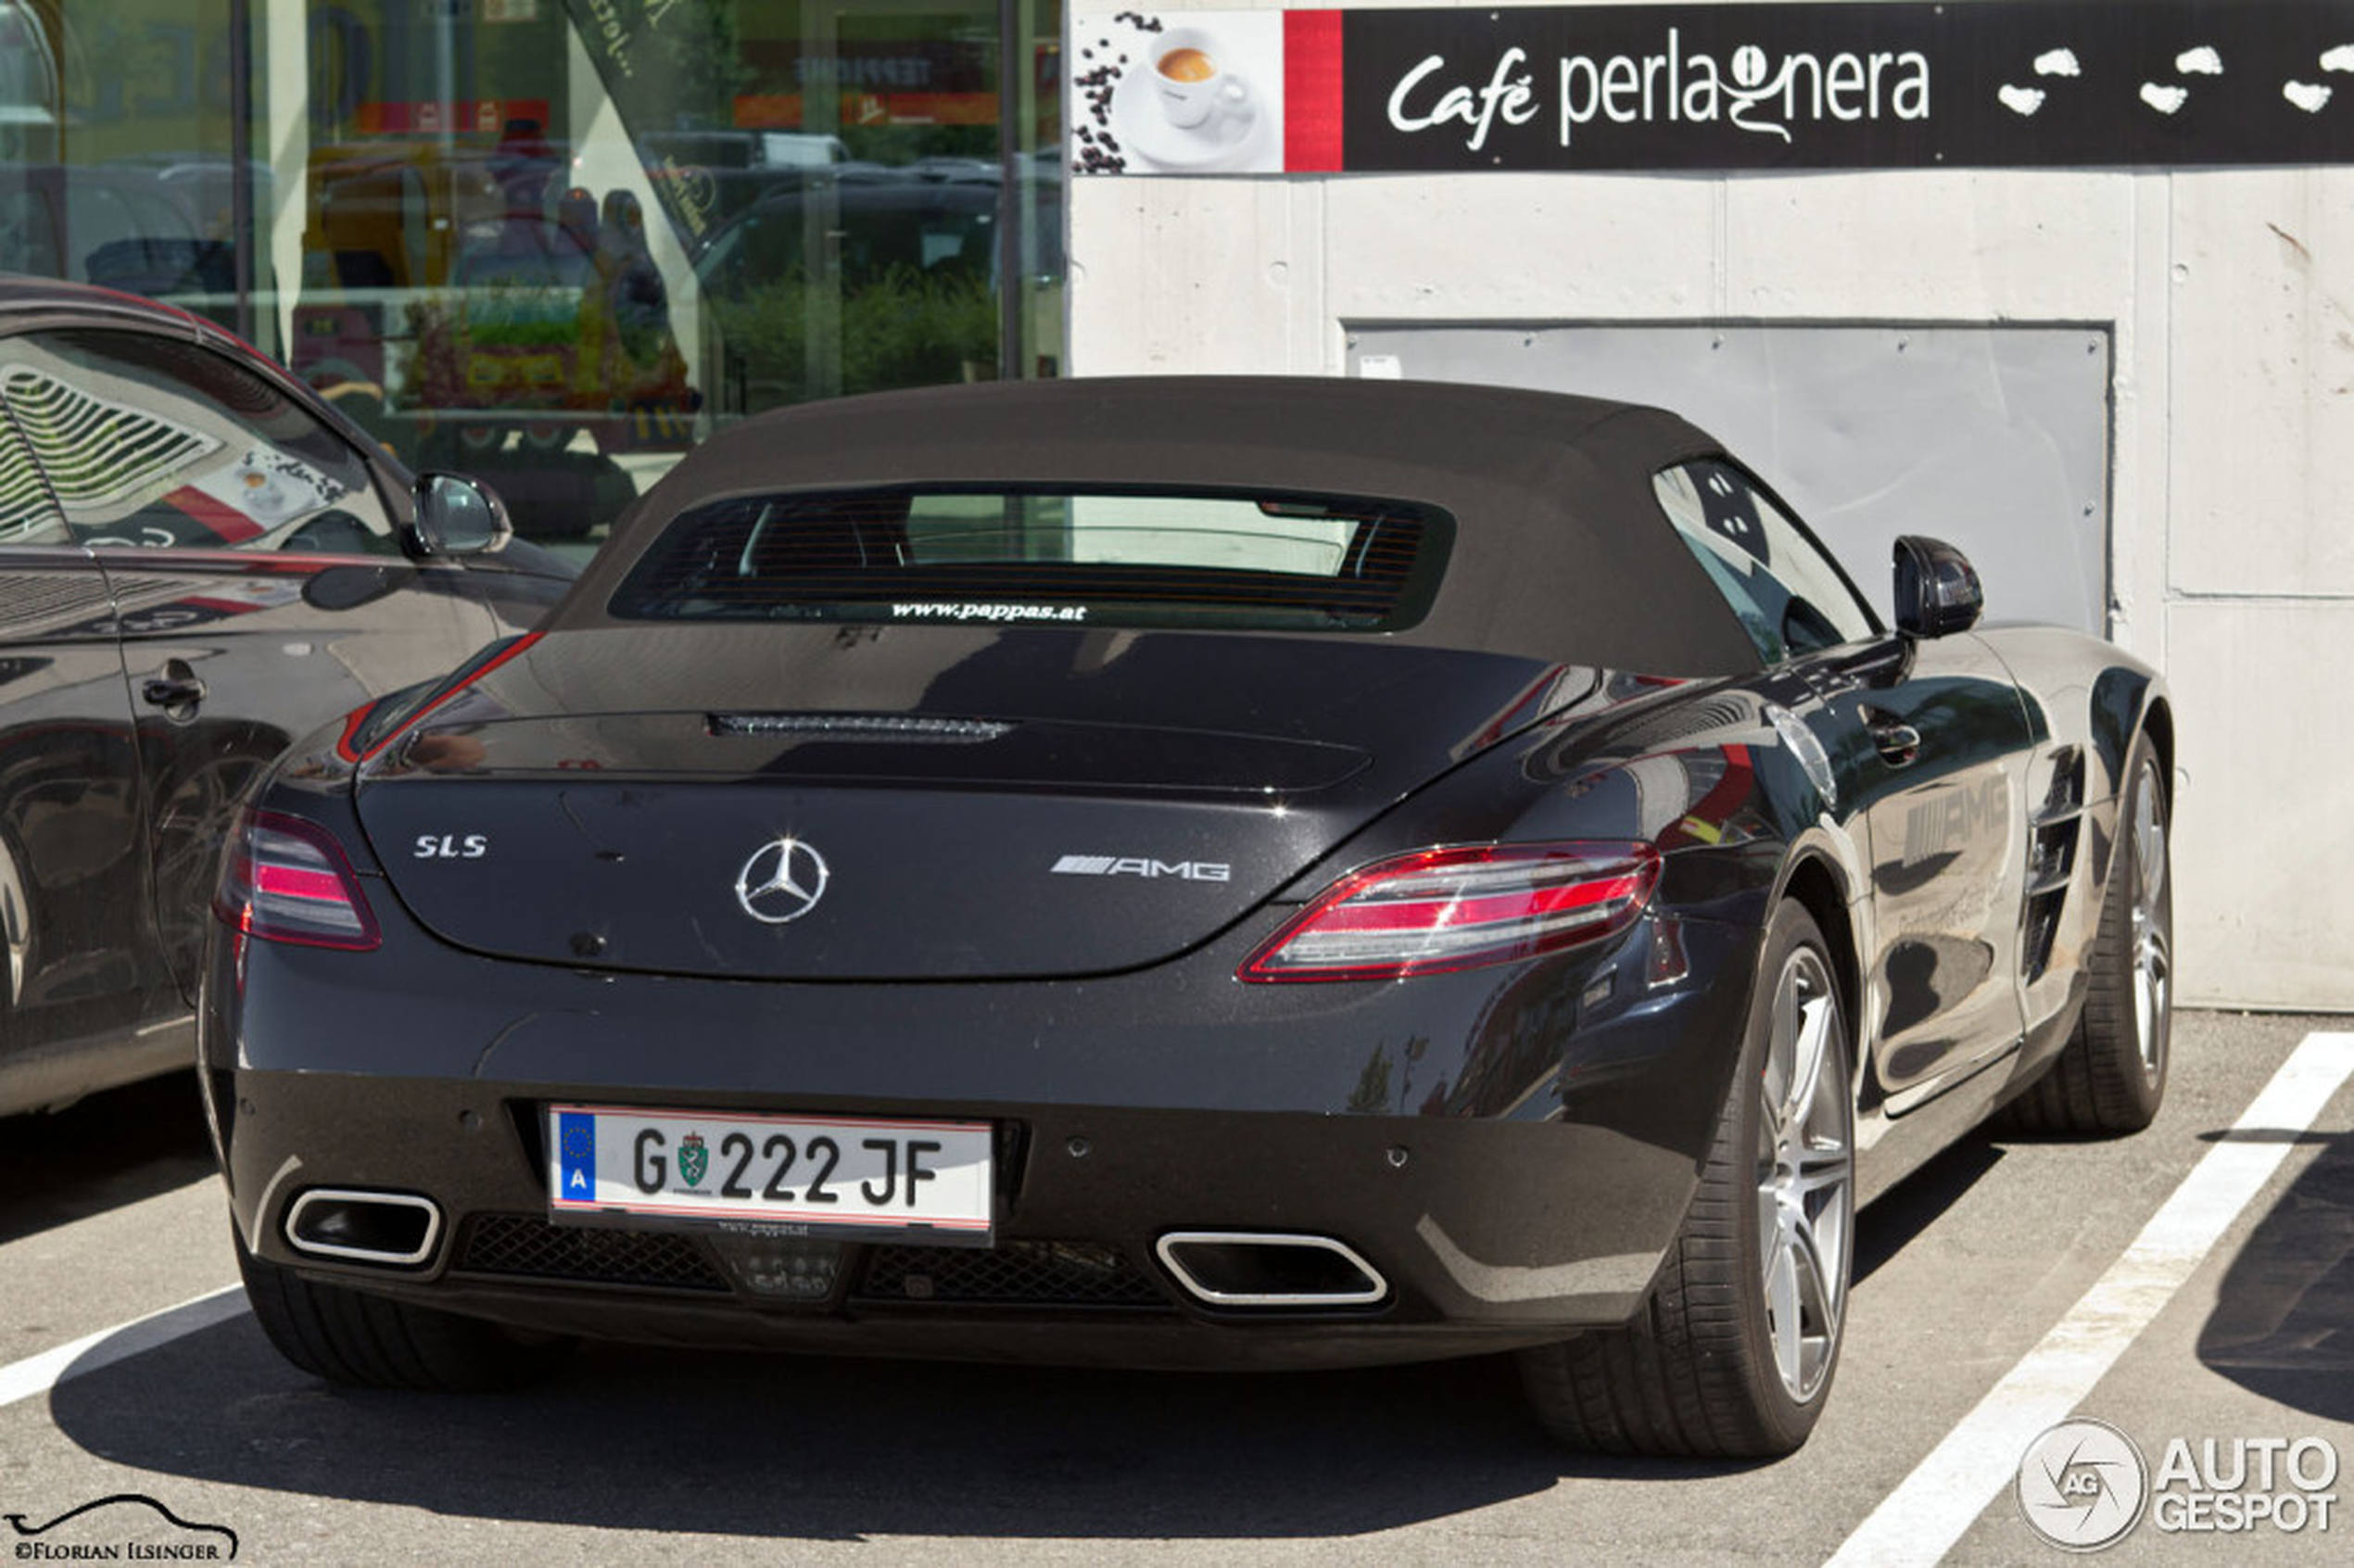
column 554, row 242
column 148, row 444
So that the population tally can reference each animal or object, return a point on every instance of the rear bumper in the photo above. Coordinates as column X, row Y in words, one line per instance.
column 1510, row 1150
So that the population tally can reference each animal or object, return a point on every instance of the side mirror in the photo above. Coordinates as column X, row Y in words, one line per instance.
column 1937, row 589
column 459, row 516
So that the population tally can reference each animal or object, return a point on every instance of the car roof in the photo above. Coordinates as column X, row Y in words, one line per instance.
column 1561, row 550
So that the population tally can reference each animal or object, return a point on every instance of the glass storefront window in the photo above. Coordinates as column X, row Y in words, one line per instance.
column 556, row 242
column 116, row 137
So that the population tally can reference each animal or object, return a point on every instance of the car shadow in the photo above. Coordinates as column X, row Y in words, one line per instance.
column 833, row 1449
column 102, row 1153
column 821, row 1448
column 2283, row 1320
column 830, row 1448
column 1885, row 1226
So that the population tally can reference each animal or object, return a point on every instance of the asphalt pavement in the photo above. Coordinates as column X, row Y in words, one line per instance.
column 2190, row 1290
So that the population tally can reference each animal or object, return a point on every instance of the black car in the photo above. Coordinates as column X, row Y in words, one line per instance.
column 199, row 562
column 1187, row 872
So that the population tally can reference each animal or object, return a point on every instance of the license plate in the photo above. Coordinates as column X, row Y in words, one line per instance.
column 831, row 1173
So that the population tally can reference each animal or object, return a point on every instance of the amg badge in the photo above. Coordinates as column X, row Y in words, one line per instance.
column 1142, row 865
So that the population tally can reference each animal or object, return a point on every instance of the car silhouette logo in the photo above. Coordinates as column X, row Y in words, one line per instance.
column 782, row 881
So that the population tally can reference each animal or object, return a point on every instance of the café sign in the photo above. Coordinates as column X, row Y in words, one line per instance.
column 1969, row 84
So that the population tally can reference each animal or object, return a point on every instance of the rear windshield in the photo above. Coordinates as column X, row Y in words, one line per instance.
column 1094, row 556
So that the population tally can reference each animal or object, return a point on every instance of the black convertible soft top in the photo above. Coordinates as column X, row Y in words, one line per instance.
column 1562, row 551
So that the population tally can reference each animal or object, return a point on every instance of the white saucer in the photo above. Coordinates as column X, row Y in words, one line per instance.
column 1222, row 142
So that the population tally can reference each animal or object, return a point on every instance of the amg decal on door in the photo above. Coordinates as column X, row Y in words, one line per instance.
column 1950, row 820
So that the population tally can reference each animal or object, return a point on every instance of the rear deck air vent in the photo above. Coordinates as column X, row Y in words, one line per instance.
column 856, row 726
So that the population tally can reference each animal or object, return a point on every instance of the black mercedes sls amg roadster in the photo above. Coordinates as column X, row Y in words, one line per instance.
column 1187, row 872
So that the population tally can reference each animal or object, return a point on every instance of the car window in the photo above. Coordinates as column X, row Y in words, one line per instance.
column 1096, row 557
column 1790, row 595
column 155, row 443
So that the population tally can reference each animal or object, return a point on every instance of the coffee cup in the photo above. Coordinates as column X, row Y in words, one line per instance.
column 1191, row 83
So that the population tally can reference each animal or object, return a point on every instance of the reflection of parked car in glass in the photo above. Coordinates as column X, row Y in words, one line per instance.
column 179, row 515
column 740, row 150
column 885, row 227
column 708, row 176
column 153, row 228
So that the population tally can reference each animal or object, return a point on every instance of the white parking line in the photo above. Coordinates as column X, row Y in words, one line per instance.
column 1922, row 1518
column 38, row 1374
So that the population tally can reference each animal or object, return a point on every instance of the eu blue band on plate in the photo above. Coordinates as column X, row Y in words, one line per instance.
column 576, row 1157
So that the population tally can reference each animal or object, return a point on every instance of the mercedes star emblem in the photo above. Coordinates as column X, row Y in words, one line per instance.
column 783, row 880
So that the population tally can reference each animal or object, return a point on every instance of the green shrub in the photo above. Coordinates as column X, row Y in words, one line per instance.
column 903, row 329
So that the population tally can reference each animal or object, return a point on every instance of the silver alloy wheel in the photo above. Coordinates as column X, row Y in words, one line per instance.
column 16, row 929
column 1805, row 1175
column 2152, row 965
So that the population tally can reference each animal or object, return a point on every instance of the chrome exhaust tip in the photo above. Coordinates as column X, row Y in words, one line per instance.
column 400, row 1229
column 1269, row 1268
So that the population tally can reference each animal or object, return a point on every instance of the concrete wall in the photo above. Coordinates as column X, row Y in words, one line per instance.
column 2230, row 299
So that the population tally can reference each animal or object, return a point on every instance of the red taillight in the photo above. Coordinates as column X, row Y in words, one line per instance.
column 285, row 879
column 1459, row 908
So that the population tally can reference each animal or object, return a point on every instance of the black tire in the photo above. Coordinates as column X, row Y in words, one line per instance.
column 350, row 1336
column 2110, row 1077
column 1706, row 1369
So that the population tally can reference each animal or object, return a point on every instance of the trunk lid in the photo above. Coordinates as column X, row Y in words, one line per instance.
column 999, row 804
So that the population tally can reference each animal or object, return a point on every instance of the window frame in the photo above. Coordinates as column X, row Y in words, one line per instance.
column 1408, row 604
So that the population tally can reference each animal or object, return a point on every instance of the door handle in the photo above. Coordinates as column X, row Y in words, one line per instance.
column 178, row 690
column 1898, row 744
